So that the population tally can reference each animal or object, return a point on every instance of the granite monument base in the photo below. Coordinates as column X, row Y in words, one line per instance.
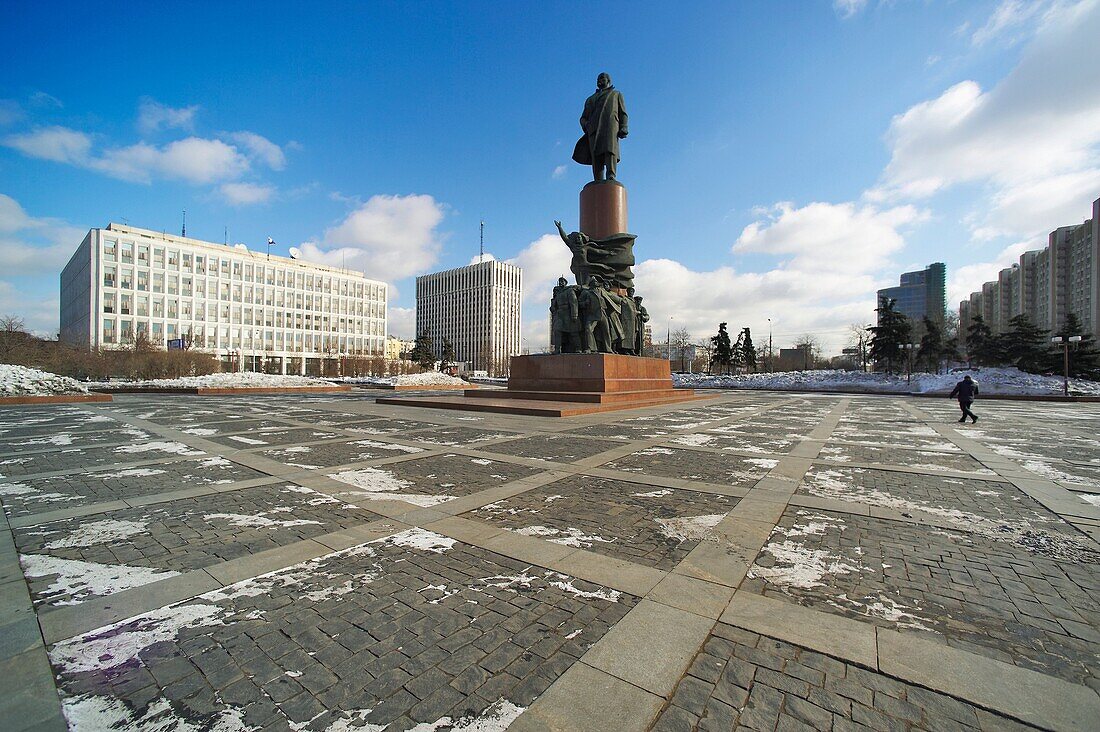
column 568, row 384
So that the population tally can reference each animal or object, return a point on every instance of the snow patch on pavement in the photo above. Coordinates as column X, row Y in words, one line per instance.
column 77, row 580
column 382, row 485
column 94, row 533
column 689, row 528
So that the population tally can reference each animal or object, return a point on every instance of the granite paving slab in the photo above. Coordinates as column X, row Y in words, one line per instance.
column 741, row 680
column 692, row 465
column 37, row 495
column 283, row 436
column 560, row 447
column 70, row 459
column 1031, row 598
column 835, row 452
column 70, row 560
column 656, row 527
column 427, row 481
column 329, row 454
column 414, row 629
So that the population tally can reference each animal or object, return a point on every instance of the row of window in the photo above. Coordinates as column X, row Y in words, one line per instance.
column 175, row 310
column 124, row 330
column 201, row 264
column 237, row 293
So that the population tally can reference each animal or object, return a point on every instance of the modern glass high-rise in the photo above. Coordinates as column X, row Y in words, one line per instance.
column 921, row 293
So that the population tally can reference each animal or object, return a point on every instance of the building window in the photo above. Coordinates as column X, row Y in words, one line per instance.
column 158, row 282
column 143, row 281
column 143, row 255
column 127, row 252
column 127, row 282
column 158, row 258
column 142, row 306
column 108, row 302
column 110, row 251
column 200, row 265
column 109, row 276
column 108, row 330
column 125, row 305
column 187, row 262
column 173, row 259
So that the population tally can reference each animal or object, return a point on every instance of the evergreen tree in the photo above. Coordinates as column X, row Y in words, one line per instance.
column 737, row 356
column 982, row 348
column 448, row 358
column 1027, row 345
column 889, row 336
column 723, row 351
column 748, row 351
column 932, row 349
column 1084, row 359
column 422, row 352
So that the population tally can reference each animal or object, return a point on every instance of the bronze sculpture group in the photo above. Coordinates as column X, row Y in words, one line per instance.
column 593, row 318
column 599, row 314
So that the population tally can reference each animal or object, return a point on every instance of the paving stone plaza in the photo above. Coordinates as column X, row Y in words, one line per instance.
column 761, row 561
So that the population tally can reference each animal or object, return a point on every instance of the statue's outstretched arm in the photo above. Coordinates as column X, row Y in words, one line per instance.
column 561, row 233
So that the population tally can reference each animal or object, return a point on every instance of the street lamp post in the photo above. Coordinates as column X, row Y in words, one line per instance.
column 1064, row 343
column 668, row 341
column 771, row 357
column 909, row 362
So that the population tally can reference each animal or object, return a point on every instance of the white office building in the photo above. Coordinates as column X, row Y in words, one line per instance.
column 251, row 310
column 476, row 308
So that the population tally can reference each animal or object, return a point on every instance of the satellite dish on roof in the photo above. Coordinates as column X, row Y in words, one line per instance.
column 295, row 252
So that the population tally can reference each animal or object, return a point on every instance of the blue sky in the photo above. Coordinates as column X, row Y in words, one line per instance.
column 785, row 158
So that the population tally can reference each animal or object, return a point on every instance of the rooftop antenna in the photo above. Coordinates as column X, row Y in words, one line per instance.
column 225, row 238
column 481, row 248
column 183, row 231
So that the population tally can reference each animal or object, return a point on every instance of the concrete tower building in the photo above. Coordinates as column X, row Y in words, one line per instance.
column 476, row 308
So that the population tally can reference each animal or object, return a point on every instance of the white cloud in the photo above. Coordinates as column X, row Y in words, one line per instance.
column 559, row 172
column 813, row 235
column 59, row 144
column 401, row 322
column 246, row 194
column 33, row 246
column 969, row 278
column 10, row 111
column 1029, row 140
column 154, row 116
column 387, row 238
column 1007, row 20
column 194, row 160
column 260, row 148
column 848, row 8
column 43, row 100
column 487, row 257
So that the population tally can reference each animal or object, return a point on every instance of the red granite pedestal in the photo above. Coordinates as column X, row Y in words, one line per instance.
column 568, row 384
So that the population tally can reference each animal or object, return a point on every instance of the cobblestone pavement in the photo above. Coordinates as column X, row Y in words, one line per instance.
column 652, row 526
column 322, row 563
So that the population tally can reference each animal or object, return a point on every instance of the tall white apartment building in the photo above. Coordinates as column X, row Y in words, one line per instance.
column 1049, row 283
column 251, row 310
column 476, row 308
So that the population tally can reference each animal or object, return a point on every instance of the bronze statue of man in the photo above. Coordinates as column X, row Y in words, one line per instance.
column 566, row 333
column 604, row 123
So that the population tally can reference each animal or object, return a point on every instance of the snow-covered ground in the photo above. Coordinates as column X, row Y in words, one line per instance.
column 236, row 380
column 428, row 378
column 1006, row 381
column 22, row 381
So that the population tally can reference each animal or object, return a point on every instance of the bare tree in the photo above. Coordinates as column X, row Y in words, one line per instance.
column 704, row 350
column 679, row 340
column 812, row 347
column 12, row 324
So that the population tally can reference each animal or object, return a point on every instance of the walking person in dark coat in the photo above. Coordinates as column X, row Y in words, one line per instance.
column 965, row 391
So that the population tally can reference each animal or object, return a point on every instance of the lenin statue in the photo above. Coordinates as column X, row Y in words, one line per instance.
column 604, row 123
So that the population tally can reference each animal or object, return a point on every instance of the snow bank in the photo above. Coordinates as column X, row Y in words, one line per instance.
column 1006, row 381
column 233, row 379
column 22, row 381
column 428, row 378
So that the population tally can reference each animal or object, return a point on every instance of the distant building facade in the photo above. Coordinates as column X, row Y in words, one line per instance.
column 921, row 293
column 476, row 308
column 1046, row 284
column 250, row 310
column 396, row 348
